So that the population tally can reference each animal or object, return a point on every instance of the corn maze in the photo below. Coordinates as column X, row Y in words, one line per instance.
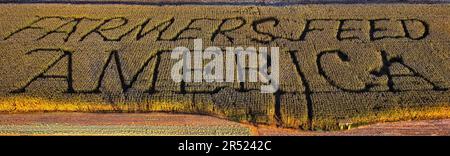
column 337, row 62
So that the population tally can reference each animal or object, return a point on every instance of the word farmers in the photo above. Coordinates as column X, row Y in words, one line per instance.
column 246, row 65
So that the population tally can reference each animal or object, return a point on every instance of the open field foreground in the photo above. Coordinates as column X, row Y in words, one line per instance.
column 117, row 124
column 40, row 124
column 339, row 64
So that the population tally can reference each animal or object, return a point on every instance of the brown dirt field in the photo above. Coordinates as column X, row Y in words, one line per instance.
column 404, row 128
column 157, row 119
column 139, row 124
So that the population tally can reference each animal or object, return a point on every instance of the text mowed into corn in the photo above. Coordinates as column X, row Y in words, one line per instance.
column 335, row 61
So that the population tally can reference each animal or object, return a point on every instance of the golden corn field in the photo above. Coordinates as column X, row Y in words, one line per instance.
column 338, row 63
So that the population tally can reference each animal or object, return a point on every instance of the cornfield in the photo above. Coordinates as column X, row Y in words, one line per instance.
column 337, row 62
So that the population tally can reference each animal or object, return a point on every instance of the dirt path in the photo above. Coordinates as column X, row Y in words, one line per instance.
column 183, row 124
column 404, row 128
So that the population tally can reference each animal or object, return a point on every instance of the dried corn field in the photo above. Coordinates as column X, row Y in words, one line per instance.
column 339, row 63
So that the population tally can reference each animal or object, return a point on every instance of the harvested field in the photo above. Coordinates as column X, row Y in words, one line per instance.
column 339, row 64
column 150, row 124
column 117, row 124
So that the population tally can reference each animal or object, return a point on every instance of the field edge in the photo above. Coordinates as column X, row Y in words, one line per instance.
column 17, row 105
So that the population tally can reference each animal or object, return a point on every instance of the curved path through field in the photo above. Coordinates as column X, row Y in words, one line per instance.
column 183, row 124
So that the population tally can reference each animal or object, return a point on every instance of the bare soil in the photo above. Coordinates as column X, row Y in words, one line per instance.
column 185, row 124
column 404, row 128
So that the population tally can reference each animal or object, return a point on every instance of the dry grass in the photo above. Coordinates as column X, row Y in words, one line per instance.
column 32, row 104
